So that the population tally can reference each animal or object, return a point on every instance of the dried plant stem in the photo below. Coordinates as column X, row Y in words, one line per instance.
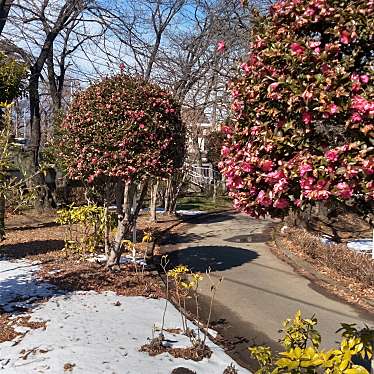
column 197, row 312
column 180, row 305
column 213, row 290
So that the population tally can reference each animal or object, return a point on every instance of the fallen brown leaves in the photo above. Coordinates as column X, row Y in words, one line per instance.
column 9, row 324
column 155, row 347
column 72, row 274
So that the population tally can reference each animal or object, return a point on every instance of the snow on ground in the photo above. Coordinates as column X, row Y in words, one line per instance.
column 361, row 245
column 91, row 332
column 179, row 211
column 358, row 245
column 18, row 286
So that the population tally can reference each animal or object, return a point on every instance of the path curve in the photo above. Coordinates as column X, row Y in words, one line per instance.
column 259, row 290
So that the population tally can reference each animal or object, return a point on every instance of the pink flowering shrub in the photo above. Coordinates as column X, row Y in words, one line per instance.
column 122, row 127
column 301, row 127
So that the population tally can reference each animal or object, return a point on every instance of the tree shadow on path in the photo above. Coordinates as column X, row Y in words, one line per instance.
column 217, row 258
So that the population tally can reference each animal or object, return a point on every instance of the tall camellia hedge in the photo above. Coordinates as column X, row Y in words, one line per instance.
column 301, row 127
column 122, row 127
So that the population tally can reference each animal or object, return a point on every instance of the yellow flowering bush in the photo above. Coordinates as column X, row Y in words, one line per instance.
column 302, row 354
column 85, row 227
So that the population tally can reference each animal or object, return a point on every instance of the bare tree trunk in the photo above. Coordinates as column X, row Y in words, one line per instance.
column 153, row 202
column 106, row 233
column 176, row 183
column 126, row 224
column 4, row 11
column 167, row 195
column 120, row 192
column 2, row 217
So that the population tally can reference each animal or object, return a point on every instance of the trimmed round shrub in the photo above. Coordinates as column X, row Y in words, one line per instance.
column 122, row 127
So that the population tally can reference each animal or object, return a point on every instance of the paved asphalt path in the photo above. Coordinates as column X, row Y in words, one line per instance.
column 259, row 290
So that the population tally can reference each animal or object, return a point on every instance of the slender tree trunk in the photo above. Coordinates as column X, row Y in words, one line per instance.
column 2, row 217
column 106, row 233
column 153, row 202
column 167, row 195
column 126, row 224
column 4, row 11
column 120, row 192
column 176, row 184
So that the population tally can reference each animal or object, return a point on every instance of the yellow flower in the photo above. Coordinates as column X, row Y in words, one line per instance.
column 197, row 277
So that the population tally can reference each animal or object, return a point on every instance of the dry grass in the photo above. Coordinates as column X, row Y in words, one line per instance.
column 349, row 275
column 358, row 266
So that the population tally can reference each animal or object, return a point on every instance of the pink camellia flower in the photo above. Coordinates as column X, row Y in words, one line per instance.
column 255, row 130
column 345, row 190
column 321, row 184
column 141, row 126
column 221, row 46
column 247, row 167
column 281, row 186
column 280, row 203
column 364, row 78
column 298, row 203
column 368, row 167
column 267, row 165
column 332, row 155
column 235, row 93
column 297, row 49
column 273, row 86
column 310, row 12
column 356, row 117
column 94, row 161
column 274, row 176
column 333, row 108
column 306, row 183
column 314, row 44
column 246, row 67
column 237, row 182
column 317, row 50
column 356, row 86
column 345, row 37
column 263, row 199
column 237, row 106
column 362, row 105
column 305, row 168
column 320, row 195
column 355, row 77
column 90, row 179
column 307, row 117
column 225, row 150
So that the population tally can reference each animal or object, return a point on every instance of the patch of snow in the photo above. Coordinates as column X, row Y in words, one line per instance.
column 191, row 212
column 19, row 288
column 325, row 239
column 284, row 229
column 361, row 245
column 182, row 212
column 95, row 332
column 127, row 259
